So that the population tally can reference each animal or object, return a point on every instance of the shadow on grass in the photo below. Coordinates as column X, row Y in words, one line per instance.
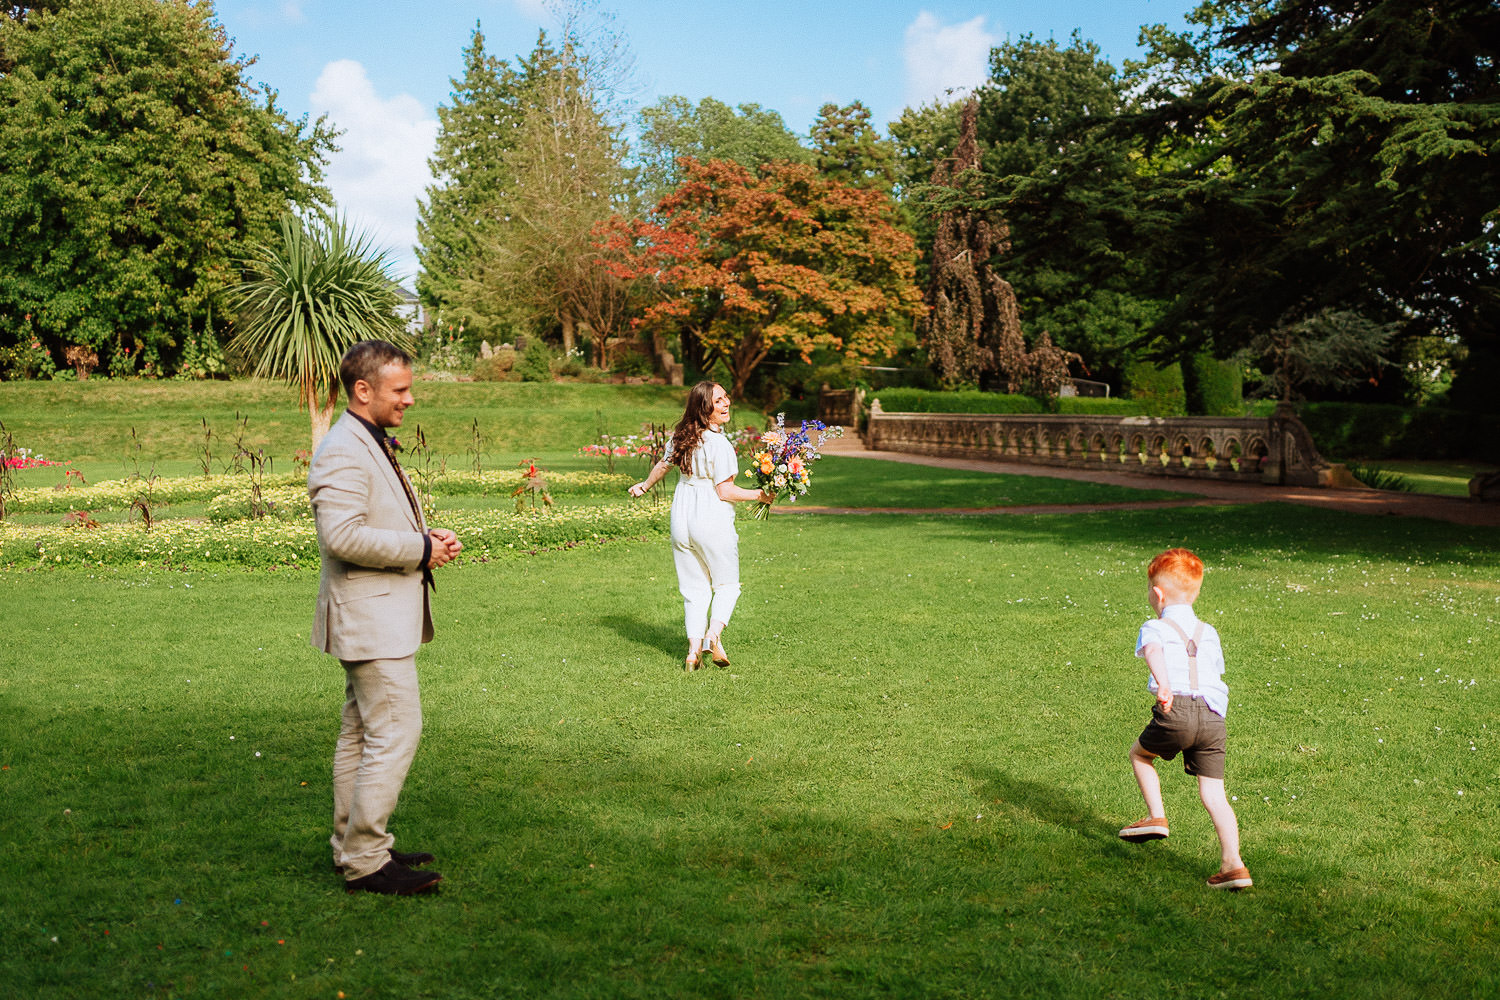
column 1288, row 532
column 652, row 635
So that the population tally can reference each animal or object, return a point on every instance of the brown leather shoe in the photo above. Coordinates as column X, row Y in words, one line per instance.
column 1150, row 828
column 1237, row 878
column 394, row 880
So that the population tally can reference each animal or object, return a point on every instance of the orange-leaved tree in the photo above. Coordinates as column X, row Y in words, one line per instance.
column 745, row 263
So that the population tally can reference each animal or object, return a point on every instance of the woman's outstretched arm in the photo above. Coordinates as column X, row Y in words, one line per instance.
column 657, row 471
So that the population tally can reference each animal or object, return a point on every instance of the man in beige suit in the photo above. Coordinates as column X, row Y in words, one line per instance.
column 373, row 614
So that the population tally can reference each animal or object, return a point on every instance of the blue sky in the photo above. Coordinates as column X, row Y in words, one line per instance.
column 379, row 71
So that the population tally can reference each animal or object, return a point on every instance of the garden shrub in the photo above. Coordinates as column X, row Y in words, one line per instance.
column 1383, row 430
column 1112, row 407
column 1159, row 390
column 1214, row 388
column 897, row 400
column 498, row 367
column 570, row 365
column 535, row 364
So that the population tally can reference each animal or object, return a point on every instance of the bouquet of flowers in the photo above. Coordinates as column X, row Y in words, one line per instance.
column 782, row 464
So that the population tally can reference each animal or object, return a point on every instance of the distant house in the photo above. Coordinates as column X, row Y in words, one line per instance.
column 409, row 308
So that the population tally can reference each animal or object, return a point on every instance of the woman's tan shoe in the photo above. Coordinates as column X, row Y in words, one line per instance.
column 716, row 651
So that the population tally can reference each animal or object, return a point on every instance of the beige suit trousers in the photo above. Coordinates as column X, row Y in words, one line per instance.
column 382, row 724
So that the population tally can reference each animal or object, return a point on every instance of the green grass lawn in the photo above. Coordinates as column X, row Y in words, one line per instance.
column 90, row 423
column 907, row 784
column 866, row 482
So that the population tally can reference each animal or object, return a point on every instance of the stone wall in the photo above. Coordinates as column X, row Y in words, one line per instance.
column 1275, row 449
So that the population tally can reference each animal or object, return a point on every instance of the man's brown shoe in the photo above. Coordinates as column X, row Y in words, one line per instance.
column 394, row 880
column 1238, row 878
column 1150, row 828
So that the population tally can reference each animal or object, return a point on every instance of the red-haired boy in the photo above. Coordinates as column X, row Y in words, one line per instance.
column 1187, row 676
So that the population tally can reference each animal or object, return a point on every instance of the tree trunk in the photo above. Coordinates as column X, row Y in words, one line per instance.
column 322, row 418
column 568, row 334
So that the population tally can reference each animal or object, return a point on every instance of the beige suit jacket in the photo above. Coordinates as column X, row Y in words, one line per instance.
column 371, row 601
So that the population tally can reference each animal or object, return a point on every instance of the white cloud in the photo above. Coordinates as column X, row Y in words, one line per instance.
column 382, row 166
column 291, row 10
column 535, row 10
column 941, row 56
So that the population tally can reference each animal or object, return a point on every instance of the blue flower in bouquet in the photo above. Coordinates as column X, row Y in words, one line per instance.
column 780, row 465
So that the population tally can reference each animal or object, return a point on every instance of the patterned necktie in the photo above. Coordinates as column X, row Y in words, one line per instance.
column 411, row 498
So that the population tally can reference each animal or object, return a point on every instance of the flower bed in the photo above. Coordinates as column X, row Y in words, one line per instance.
column 119, row 494
column 276, row 543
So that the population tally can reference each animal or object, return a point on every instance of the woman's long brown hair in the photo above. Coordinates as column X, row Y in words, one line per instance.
column 689, row 431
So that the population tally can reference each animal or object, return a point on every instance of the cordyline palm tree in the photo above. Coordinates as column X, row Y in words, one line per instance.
column 307, row 301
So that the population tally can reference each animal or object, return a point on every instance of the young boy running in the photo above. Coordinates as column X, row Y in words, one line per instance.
column 1187, row 677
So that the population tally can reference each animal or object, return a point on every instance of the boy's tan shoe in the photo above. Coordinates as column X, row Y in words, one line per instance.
column 1238, row 878
column 1150, row 828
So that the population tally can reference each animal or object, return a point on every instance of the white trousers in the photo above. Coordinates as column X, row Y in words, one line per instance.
column 382, row 724
column 706, row 551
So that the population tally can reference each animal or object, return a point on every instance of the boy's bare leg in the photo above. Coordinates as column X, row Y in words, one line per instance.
column 1144, row 764
column 1226, row 825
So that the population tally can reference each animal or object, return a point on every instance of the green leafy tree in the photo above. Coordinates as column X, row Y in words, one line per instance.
column 566, row 165
column 136, row 164
column 306, row 300
column 674, row 128
column 1345, row 161
column 1075, row 193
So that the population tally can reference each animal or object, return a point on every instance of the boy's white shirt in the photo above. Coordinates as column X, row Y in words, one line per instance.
column 1211, row 684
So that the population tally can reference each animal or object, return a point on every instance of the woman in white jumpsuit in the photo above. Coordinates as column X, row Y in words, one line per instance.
column 705, row 546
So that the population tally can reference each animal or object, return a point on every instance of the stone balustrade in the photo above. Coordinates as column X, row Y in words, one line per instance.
column 1275, row 449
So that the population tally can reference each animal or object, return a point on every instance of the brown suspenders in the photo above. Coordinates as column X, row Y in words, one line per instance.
column 1192, row 650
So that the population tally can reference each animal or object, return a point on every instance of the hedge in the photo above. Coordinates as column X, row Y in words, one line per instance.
column 1159, row 390
column 1379, row 430
column 1214, row 388
column 974, row 401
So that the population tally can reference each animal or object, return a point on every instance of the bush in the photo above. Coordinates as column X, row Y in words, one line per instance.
column 1385, row 430
column 498, row 367
column 974, row 401
column 1100, row 407
column 962, row 401
column 536, row 364
column 1380, row 479
column 634, row 363
column 1214, row 388
column 569, row 365
column 1159, row 390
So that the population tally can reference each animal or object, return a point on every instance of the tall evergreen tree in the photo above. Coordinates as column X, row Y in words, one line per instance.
column 849, row 150
column 1350, row 165
column 471, row 175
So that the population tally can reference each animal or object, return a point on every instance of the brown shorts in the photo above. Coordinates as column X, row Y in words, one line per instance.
column 1192, row 729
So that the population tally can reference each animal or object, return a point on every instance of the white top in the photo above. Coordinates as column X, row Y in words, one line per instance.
column 713, row 460
column 1211, row 684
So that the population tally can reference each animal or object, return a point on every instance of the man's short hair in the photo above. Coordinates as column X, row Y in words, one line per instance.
column 366, row 359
